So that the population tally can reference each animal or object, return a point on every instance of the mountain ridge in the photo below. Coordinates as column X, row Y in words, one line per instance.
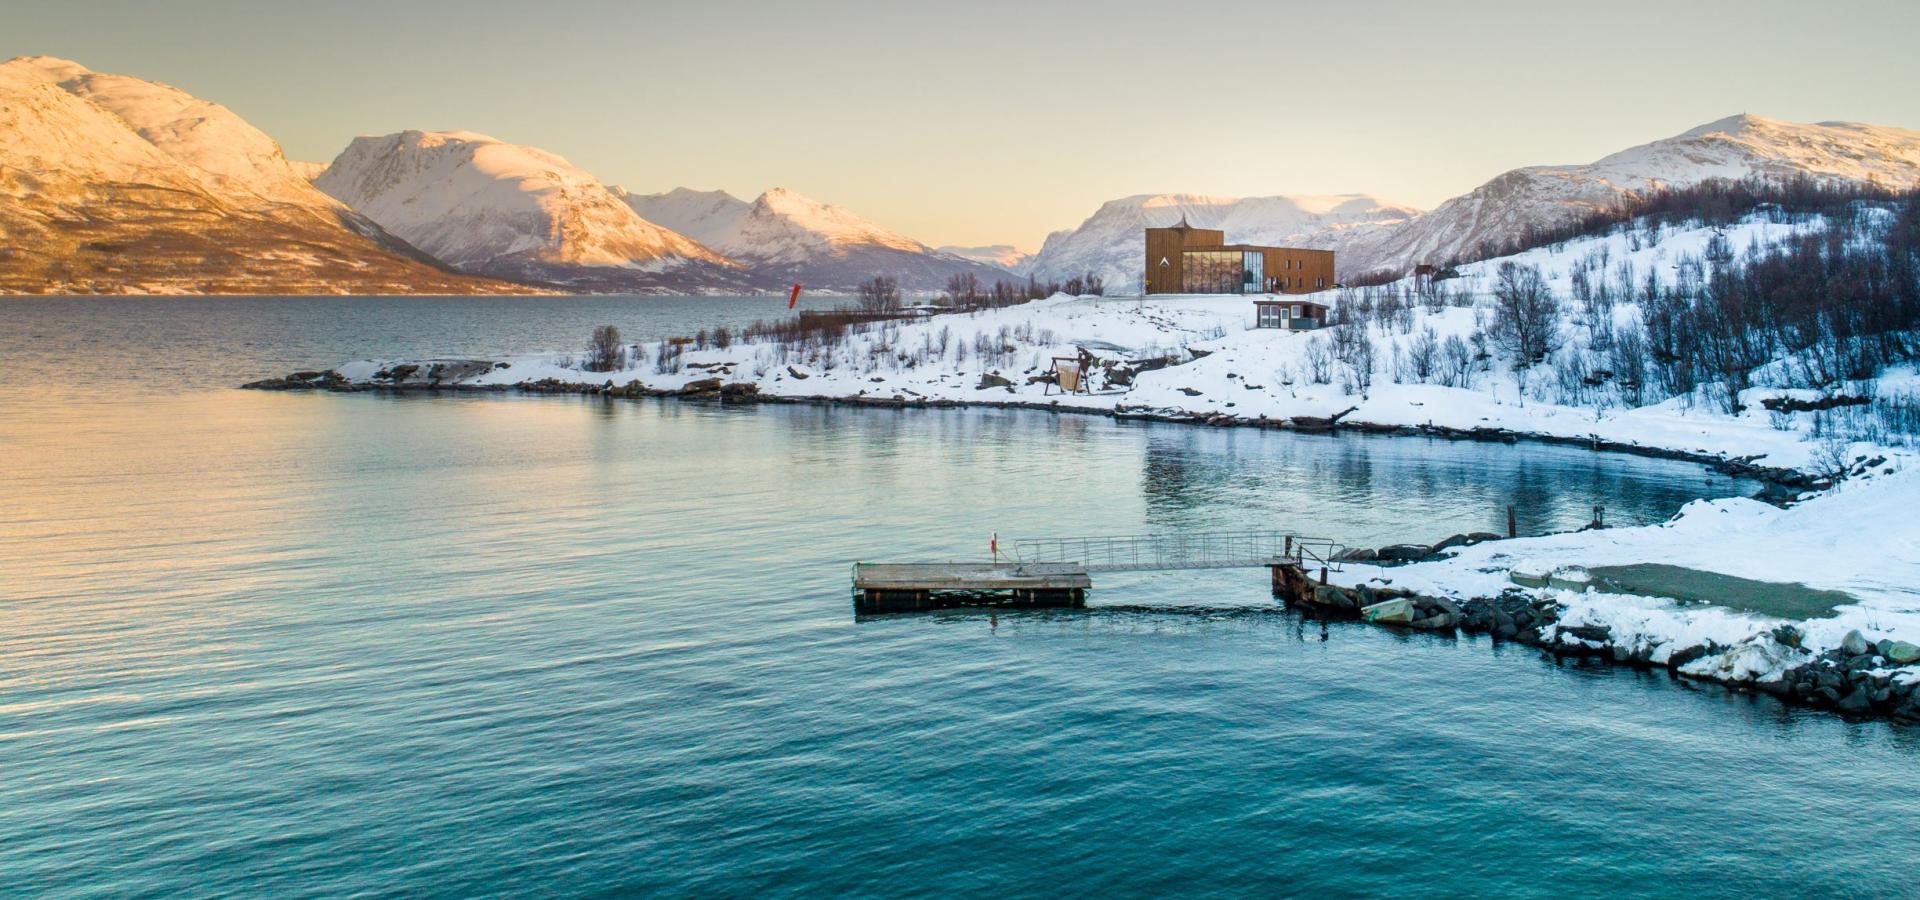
column 797, row 238
column 111, row 184
column 490, row 207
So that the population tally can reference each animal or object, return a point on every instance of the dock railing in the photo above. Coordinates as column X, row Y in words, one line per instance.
column 1196, row 550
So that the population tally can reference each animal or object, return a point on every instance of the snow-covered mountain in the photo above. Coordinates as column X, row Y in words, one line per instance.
column 1371, row 235
column 1512, row 204
column 486, row 206
column 705, row 216
column 1108, row 242
column 114, row 184
column 1004, row 256
column 795, row 238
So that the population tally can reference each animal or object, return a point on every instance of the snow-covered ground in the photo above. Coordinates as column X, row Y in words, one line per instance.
column 1860, row 538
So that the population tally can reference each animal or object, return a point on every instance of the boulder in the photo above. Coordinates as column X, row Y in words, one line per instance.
column 1357, row 554
column 1685, row 655
column 1403, row 552
column 992, row 380
column 1398, row 611
column 1335, row 597
column 1458, row 540
column 1530, row 575
column 702, row 386
column 1855, row 643
column 1570, row 578
column 1899, row 652
column 1481, row 537
column 1855, row 701
column 797, row 373
column 1598, row 634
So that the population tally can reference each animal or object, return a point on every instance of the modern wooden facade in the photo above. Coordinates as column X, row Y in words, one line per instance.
column 1188, row 260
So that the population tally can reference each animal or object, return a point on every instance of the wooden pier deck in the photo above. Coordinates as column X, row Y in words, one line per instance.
column 1057, row 571
column 882, row 587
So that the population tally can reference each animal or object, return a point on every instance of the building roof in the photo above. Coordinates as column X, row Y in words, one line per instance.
column 1279, row 300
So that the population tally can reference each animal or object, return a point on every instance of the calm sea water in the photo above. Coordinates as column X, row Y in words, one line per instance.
column 268, row 644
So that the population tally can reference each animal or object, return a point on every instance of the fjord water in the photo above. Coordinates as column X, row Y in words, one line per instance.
column 277, row 644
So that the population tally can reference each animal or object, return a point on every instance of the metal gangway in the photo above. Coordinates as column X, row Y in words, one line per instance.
column 1188, row 550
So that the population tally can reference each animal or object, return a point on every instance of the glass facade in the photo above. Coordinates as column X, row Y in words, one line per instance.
column 1213, row 272
column 1236, row 270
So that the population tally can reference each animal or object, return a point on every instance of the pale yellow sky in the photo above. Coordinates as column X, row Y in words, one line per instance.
column 997, row 122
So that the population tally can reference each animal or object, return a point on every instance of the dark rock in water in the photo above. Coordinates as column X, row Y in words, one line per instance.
column 702, row 386
column 1685, row 655
column 1598, row 634
column 739, row 391
column 1855, row 701
column 1336, row 597
column 1403, row 552
column 301, row 381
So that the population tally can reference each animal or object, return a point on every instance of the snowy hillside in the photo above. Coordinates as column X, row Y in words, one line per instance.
column 1512, row 204
column 792, row 237
column 1108, row 243
column 114, row 184
column 486, row 206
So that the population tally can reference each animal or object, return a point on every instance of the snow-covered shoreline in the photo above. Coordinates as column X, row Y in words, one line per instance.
column 1708, row 643
column 1197, row 359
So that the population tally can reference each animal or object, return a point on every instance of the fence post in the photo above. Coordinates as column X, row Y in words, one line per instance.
column 1512, row 529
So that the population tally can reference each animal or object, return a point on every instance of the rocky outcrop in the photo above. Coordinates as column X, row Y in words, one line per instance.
column 1859, row 678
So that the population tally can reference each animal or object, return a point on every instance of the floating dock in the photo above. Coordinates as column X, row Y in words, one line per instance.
column 898, row 587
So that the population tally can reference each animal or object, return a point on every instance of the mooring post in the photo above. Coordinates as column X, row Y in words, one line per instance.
column 1513, row 530
column 1323, row 574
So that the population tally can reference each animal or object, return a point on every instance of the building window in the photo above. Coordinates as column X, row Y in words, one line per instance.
column 1212, row 272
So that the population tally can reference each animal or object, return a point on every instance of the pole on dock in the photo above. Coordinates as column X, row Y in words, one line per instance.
column 1513, row 530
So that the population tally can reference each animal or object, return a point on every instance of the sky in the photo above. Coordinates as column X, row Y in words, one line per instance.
column 992, row 122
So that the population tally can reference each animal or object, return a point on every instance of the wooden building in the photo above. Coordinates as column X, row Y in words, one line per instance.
column 1293, row 315
column 1188, row 260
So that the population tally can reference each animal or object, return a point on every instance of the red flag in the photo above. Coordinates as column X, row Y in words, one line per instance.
column 793, row 296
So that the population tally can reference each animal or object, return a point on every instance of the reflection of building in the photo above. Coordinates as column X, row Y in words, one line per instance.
column 1294, row 315
column 1188, row 260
